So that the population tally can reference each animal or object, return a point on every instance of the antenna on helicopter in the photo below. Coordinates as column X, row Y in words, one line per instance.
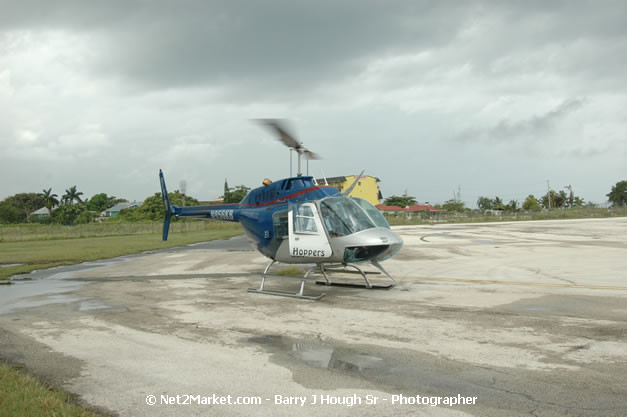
column 325, row 178
column 349, row 189
column 277, row 127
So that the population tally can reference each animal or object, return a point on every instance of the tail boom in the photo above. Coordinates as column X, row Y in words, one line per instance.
column 224, row 212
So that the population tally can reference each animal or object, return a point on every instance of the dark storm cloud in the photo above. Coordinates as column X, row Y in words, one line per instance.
column 183, row 44
column 284, row 46
column 534, row 128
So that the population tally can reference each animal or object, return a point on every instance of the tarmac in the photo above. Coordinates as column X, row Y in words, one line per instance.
column 492, row 319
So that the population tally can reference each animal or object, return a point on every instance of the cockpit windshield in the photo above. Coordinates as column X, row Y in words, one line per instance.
column 343, row 216
column 372, row 211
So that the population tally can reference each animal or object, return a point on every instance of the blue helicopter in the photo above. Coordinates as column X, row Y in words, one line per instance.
column 297, row 221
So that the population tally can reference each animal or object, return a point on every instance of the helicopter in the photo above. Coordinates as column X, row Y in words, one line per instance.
column 295, row 220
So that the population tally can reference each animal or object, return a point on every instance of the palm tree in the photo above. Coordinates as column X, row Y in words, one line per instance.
column 50, row 200
column 497, row 204
column 71, row 195
column 561, row 199
column 484, row 203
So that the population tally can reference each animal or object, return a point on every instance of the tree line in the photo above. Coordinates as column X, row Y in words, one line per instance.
column 552, row 199
column 71, row 208
column 234, row 195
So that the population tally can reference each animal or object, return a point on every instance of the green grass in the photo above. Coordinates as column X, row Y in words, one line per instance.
column 49, row 253
column 22, row 395
column 36, row 231
column 291, row 271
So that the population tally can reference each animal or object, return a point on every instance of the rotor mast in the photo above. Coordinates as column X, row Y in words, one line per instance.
column 288, row 140
column 299, row 173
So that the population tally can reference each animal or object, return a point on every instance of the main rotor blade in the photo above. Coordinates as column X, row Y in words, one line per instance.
column 283, row 135
column 311, row 155
column 349, row 189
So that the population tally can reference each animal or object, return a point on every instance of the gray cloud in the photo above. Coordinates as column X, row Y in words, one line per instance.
column 534, row 128
column 278, row 47
column 169, row 45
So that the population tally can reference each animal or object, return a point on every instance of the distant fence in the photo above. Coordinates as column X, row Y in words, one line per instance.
column 32, row 231
column 424, row 217
column 26, row 232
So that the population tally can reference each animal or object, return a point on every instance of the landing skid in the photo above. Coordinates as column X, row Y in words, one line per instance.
column 343, row 269
column 324, row 271
column 351, row 285
column 299, row 294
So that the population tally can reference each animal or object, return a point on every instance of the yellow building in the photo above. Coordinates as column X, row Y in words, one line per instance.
column 367, row 187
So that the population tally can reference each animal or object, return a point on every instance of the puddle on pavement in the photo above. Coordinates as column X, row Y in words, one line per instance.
column 39, row 292
column 319, row 365
column 43, row 287
column 320, row 355
column 325, row 356
column 392, row 370
column 35, row 293
column 47, row 286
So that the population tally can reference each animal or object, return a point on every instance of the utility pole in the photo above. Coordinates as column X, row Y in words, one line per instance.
column 548, row 193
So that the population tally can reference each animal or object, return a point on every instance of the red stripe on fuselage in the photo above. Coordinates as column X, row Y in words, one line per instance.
column 278, row 200
column 296, row 194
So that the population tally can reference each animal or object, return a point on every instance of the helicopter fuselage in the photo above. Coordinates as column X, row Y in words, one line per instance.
column 296, row 221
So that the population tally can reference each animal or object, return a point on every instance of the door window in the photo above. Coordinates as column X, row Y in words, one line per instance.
column 304, row 221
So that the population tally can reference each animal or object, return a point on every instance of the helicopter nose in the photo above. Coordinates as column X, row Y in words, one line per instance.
column 372, row 244
column 395, row 244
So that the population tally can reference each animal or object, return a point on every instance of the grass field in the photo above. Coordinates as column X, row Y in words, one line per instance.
column 21, row 395
column 48, row 253
column 36, row 231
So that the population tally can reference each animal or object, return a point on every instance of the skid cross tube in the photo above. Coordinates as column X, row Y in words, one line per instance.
column 357, row 270
column 325, row 271
column 299, row 294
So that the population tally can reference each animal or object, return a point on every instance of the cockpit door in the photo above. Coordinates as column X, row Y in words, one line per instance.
column 307, row 238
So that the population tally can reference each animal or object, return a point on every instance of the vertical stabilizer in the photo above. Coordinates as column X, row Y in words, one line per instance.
column 166, row 204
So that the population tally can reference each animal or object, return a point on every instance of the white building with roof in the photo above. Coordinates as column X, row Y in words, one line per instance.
column 115, row 210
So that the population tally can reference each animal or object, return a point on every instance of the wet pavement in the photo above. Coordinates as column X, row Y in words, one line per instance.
column 52, row 285
column 528, row 318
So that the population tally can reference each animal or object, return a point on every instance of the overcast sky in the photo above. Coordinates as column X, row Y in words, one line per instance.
column 494, row 98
